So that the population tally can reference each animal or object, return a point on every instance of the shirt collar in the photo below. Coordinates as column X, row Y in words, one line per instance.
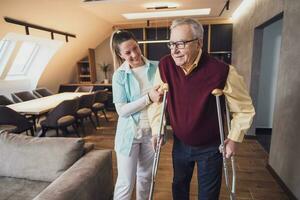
column 125, row 66
column 194, row 65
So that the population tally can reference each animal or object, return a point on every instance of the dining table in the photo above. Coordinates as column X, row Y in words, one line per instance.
column 43, row 105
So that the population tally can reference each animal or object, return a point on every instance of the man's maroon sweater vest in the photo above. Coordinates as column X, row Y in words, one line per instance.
column 191, row 107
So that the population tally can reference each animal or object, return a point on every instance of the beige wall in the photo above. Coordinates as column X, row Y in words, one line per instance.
column 285, row 148
column 103, row 55
column 64, row 15
column 243, row 32
column 255, row 13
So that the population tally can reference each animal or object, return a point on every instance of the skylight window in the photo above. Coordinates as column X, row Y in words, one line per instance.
column 2, row 47
column 3, row 43
column 23, row 59
column 4, row 52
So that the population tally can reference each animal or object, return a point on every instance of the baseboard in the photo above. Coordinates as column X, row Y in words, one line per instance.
column 250, row 137
column 281, row 183
column 263, row 131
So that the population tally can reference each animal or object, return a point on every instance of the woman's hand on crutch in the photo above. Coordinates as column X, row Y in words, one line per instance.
column 155, row 94
column 230, row 147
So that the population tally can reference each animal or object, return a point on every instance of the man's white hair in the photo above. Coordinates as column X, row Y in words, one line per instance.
column 196, row 26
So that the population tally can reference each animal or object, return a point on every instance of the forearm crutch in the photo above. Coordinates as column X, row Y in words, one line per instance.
column 159, row 140
column 217, row 93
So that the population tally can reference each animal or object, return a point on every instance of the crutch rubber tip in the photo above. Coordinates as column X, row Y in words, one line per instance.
column 217, row 92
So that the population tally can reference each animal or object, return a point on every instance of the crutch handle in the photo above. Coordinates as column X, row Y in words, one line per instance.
column 163, row 87
column 217, row 92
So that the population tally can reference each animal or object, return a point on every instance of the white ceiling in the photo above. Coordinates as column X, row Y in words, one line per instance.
column 112, row 10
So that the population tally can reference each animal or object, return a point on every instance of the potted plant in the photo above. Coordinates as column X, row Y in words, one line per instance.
column 105, row 68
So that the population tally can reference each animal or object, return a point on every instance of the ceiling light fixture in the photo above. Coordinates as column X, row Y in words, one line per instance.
column 152, row 41
column 162, row 14
column 160, row 5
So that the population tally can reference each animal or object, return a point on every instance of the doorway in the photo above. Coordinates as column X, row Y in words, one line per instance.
column 267, row 43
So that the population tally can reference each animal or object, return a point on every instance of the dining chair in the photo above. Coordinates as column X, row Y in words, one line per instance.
column 67, row 88
column 10, row 117
column 84, row 89
column 22, row 96
column 4, row 101
column 61, row 117
column 42, row 92
column 85, row 109
column 101, row 96
column 26, row 96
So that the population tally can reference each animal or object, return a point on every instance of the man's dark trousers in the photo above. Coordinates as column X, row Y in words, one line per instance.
column 209, row 162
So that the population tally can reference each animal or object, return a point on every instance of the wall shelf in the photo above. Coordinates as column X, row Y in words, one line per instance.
column 86, row 68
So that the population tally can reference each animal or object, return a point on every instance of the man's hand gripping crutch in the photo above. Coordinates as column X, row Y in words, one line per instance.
column 217, row 93
column 158, row 141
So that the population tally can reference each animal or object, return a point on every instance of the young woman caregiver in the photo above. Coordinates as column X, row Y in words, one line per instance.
column 133, row 92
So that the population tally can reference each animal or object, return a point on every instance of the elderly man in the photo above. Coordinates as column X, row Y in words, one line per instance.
column 192, row 75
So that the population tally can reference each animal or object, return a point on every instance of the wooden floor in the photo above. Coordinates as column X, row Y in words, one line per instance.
column 254, row 181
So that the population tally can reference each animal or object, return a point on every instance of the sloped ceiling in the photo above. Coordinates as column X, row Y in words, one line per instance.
column 92, row 22
column 117, row 7
column 64, row 15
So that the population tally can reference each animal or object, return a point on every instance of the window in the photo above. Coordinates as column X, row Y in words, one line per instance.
column 23, row 60
column 4, row 54
column 3, row 44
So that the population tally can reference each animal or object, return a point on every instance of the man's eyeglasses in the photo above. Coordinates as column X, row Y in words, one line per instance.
column 179, row 44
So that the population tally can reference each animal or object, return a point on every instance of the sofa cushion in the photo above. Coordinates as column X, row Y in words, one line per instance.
column 42, row 159
column 90, row 178
column 17, row 188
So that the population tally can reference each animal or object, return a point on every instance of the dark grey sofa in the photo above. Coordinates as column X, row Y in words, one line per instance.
column 53, row 169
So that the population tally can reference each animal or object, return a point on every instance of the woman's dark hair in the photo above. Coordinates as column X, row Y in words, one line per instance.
column 118, row 37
